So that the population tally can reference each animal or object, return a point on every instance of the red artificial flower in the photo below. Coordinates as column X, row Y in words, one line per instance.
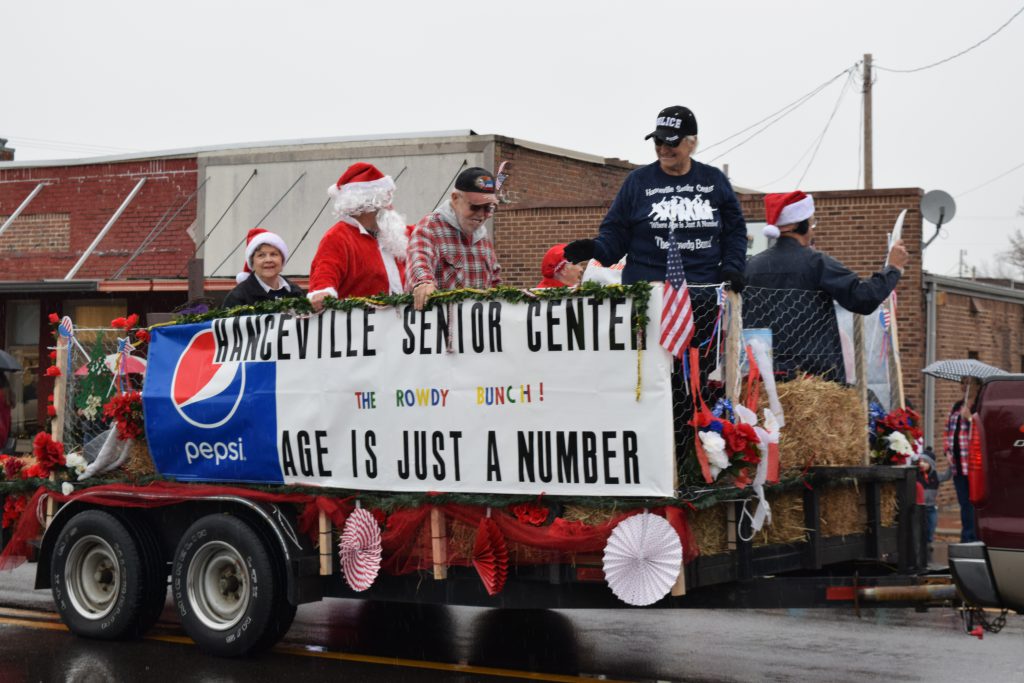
column 51, row 411
column 743, row 479
column 530, row 513
column 49, row 399
column 53, row 371
column 13, row 507
column 131, row 321
column 53, row 355
column 121, row 323
column 49, row 453
column 142, row 335
column 11, row 466
column 54, row 318
column 126, row 411
column 36, row 471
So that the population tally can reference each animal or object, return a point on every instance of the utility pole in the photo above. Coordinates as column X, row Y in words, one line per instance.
column 960, row 270
column 869, row 181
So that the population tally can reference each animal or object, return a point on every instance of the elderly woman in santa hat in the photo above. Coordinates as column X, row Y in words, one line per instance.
column 556, row 271
column 261, row 279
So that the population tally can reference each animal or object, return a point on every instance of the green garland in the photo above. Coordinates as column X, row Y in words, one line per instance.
column 640, row 292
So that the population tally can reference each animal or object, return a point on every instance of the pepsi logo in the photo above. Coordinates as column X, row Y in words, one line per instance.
column 206, row 393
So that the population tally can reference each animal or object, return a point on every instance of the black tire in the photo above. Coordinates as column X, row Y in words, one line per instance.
column 156, row 572
column 226, row 587
column 98, row 577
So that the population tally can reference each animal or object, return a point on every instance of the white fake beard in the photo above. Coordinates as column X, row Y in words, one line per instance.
column 391, row 233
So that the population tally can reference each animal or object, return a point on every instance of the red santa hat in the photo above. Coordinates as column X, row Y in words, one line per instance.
column 785, row 209
column 360, row 189
column 256, row 238
column 553, row 261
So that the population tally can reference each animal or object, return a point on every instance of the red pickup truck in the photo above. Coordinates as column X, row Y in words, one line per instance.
column 990, row 572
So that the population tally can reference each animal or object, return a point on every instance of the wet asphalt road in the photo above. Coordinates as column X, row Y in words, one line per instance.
column 364, row 641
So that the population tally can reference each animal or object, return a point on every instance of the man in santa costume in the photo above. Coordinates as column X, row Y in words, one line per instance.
column 261, row 279
column 364, row 252
column 805, row 335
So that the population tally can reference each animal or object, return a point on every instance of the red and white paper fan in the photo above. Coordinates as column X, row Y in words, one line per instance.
column 359, row 549
column 490, row 556
column 642, row 559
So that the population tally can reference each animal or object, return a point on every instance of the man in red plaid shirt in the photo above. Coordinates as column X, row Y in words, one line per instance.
column 957, row 441
column 449, row 248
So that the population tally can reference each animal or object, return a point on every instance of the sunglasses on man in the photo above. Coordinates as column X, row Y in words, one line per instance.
column 486, row 208
column 659, row 142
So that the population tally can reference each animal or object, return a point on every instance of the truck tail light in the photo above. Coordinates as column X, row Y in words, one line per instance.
column 977, row 486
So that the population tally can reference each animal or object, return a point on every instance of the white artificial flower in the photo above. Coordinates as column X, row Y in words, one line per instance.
column 76, row 462
column 67, row 488
column 714, row 448
column 899, row 443
column 745, row 415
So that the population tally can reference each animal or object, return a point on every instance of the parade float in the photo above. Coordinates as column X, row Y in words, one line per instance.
column 506, row 448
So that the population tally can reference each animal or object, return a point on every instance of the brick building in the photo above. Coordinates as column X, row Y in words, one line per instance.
column 49, row 262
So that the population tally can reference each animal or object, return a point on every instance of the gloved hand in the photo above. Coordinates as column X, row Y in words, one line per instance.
column 735, row 280
column 580, row 250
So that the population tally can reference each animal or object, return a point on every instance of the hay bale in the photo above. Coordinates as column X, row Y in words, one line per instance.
column 461, row 540
column 588, row 515
column 709, row 528
column 889, row 503
column 139, row 462
column 787, row 519
column 825, row 425
column 843, row 511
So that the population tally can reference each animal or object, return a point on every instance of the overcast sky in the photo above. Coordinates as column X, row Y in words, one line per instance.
column 100, row 77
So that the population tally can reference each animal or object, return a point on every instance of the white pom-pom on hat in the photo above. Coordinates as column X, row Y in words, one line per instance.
column 771, row 232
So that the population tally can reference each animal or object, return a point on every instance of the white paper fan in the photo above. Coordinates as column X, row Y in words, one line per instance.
column 642, row 559
column 360, row 549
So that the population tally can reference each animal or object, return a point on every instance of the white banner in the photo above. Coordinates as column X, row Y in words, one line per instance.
column 477, row 396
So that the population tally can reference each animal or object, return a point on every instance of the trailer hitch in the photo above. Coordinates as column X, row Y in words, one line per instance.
column 976, row 621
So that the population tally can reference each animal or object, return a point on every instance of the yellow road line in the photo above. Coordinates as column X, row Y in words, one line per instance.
column 299, row 651
column 51, row 626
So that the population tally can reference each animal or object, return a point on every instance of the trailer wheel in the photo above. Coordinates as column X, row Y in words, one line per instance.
column 156, row 572
column 227, row 591
column 99, row 581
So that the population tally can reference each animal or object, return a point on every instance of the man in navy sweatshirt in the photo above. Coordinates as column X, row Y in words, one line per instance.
column 675, row 193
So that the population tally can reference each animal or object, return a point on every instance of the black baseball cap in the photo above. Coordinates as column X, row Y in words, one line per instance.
column 673, row 124
column 478, row 184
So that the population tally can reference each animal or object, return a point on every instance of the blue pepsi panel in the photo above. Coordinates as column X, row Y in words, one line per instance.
column 205, row 420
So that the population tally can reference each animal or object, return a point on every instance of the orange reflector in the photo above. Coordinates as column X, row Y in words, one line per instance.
column 840, row 593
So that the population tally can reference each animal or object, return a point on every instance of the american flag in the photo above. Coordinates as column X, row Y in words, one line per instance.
column 676, row 312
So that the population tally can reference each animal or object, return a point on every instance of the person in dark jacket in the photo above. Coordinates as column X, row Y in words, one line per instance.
column 261, row 279
column 805, row 336
column 928, row 479
column 674, row 193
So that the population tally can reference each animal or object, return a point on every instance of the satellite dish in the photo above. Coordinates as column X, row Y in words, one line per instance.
column 937, row 207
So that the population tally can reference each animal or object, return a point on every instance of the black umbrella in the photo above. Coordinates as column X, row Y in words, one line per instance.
column 957, row 369
column 9, row 363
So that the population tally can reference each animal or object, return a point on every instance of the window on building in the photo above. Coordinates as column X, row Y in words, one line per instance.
column 973, row 354
column 21, row 391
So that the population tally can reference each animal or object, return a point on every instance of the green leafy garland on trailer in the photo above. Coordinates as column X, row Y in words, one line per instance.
column 639, row 292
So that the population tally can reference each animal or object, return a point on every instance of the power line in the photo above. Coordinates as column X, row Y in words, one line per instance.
column 989, row 182
column 803, row 100
column 821, row 138
column 792, row 106
column 70, row 146
column 958, row 54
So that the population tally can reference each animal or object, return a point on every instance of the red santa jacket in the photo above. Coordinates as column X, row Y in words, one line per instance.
column 349, row 262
